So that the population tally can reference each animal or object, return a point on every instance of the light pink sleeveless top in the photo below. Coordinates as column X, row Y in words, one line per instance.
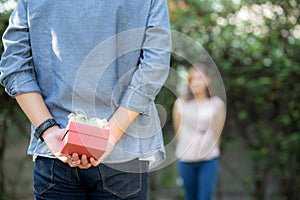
column 197, row 139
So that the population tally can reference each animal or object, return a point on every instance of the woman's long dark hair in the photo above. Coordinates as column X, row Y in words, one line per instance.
column 201, row 68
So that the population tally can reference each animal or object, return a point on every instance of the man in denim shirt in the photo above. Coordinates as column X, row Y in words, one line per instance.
column 108, row 58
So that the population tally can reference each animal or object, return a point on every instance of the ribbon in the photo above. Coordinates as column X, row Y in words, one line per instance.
column 80, row 117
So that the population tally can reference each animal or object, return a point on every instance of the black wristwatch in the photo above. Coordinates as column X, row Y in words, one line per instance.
column 43, row 127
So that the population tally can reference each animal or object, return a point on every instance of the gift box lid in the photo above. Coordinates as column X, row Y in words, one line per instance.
column 87, row 130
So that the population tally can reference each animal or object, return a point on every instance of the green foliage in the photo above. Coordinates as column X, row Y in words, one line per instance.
column 255, row 44
column 256, row 47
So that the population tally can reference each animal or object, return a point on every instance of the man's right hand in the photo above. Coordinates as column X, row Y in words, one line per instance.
column 52, row 138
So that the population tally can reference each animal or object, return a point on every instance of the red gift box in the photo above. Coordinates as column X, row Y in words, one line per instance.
column 84, row 139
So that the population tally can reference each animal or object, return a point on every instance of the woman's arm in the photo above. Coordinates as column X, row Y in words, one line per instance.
column 219, row 119
column 176, row 118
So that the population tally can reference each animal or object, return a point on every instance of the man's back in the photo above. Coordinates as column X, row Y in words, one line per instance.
column 92, row 55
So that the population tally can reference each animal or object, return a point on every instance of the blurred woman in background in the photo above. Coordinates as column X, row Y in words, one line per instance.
column 198, row 118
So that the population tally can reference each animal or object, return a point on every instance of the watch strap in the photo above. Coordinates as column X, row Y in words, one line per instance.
column 43, row 127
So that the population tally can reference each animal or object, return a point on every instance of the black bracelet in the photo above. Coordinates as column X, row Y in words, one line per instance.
column 43, row 127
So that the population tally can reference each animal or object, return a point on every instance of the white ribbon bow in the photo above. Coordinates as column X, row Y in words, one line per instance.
column 80, row 117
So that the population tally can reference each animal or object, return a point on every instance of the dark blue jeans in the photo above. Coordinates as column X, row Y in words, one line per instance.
column 199, row 178
column 54, row 180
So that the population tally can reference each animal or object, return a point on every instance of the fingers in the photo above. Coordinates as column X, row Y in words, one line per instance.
column 84, row 163
column 53, row 142
column 74, row 161
column 84, row 160
column 63, row 158
column 94, row 162
column 85, row 166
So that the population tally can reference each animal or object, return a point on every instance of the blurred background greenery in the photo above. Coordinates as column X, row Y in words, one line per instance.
column 256, row 46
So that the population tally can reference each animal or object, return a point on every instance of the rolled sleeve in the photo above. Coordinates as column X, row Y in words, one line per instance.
column 137, row 101
column 21, row 83
column 154, row 63
column 16, row 73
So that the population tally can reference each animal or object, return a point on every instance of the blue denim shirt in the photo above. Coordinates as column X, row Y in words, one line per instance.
column 94, row 56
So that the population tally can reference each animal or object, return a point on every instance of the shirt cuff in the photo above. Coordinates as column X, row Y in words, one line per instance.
column 136, row 101
column 21, row 83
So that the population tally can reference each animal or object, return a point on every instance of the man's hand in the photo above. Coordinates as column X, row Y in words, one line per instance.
column 118, row 124
column 38, row 113
column 82, row 163
column 110, row 145
column 52, row 138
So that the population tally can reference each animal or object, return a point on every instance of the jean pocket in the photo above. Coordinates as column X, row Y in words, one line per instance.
column 120, row 182
column 43, row 175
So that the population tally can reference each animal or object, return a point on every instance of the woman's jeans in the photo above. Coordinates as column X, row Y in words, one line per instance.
column 55, row 180
column 199, row 178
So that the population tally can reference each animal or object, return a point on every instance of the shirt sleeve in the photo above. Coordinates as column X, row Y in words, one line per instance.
column 16, row 73
column 154, row 62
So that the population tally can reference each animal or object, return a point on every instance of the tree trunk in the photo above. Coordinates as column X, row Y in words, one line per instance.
column 260, row 183
column 259, row 190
